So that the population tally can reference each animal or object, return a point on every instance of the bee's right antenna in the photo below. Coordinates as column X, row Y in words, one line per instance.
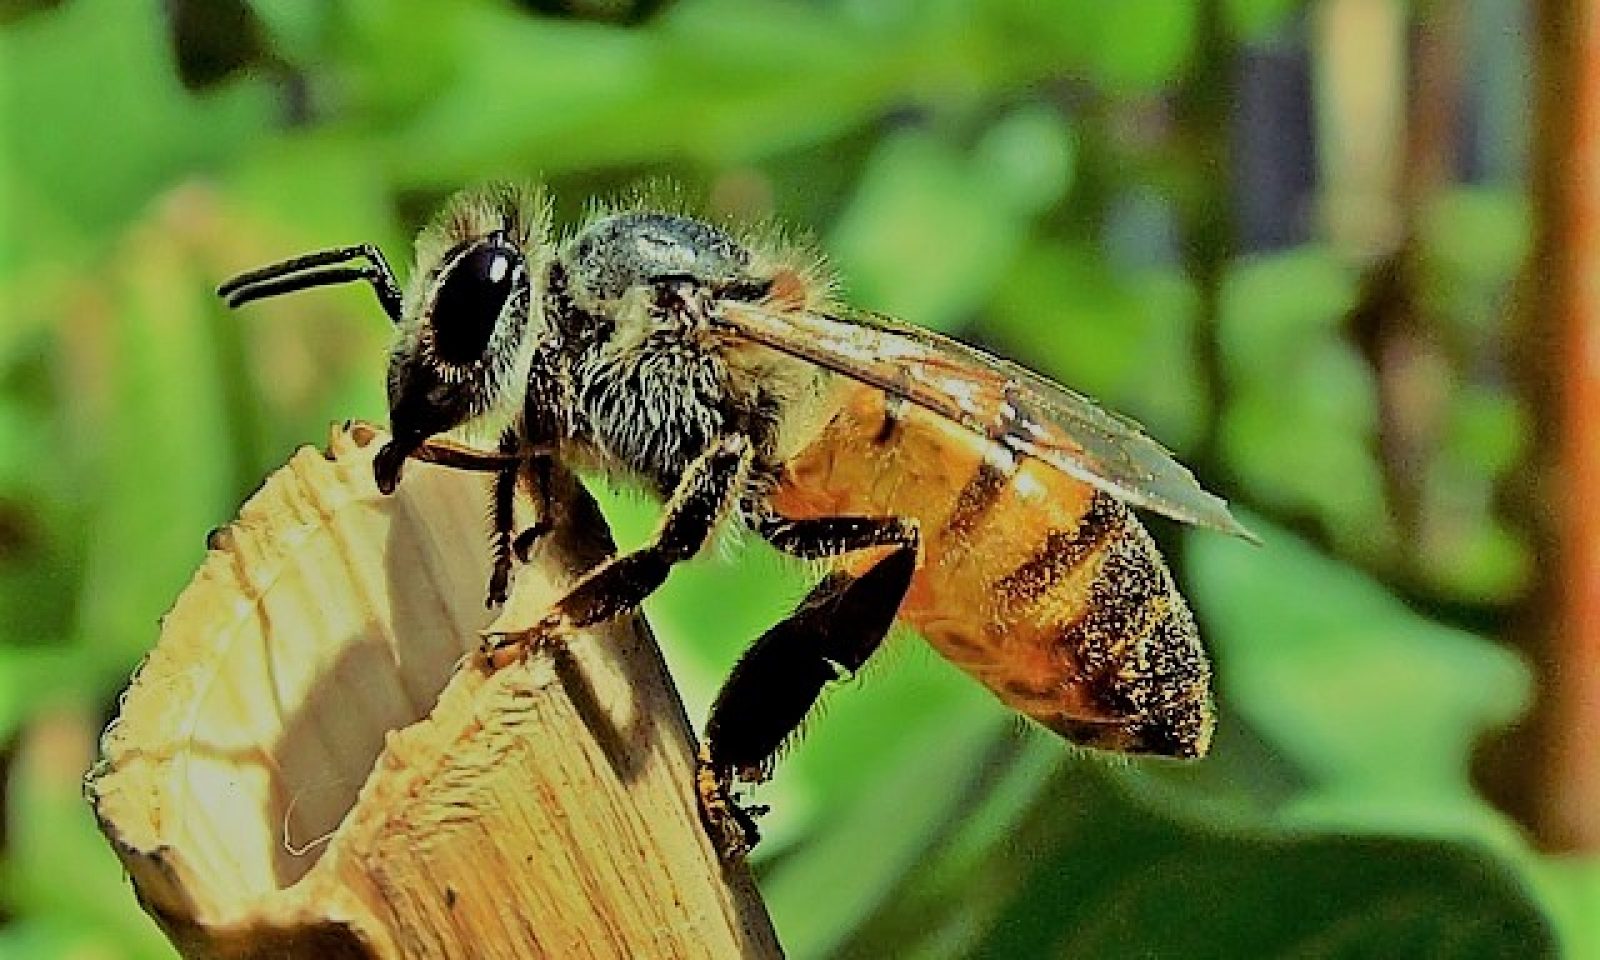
column 319, row 269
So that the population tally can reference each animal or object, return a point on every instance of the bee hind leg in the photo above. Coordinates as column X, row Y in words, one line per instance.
column 829, row 637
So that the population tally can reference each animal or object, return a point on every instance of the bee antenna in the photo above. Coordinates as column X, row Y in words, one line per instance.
column 320, row 269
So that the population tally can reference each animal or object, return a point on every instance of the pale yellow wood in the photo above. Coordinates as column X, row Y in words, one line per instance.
column 314, row 762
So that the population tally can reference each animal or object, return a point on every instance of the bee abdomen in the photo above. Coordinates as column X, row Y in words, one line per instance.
column 1043, row 588
column 1137, row 651
column 1055, row 571
column 1085, row 632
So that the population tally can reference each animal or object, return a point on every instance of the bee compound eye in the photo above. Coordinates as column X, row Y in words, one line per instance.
column 470, row 299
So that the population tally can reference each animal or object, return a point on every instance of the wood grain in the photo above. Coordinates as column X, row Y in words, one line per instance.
column 314, row 762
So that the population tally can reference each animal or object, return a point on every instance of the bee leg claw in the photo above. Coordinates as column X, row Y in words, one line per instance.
column 512, row 636
column 732, row 827
column 499, row 582
column 502, row 649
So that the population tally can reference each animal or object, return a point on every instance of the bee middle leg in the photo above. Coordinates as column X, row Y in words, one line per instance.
column 539, row 480
column 623, row 582
column 502, row 519
column 830, row 636
column 502, row 514
column 504, row 538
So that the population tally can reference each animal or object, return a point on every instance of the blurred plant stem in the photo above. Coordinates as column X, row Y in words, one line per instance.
column 1553, row 782
column 1391, row 322
column 1359, row 50
column 1205, row 119
column 1392, row 90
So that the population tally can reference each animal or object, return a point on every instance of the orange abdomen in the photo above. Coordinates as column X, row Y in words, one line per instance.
column 1044, row 589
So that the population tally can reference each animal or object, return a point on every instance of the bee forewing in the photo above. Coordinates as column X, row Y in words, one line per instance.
column 994, row 398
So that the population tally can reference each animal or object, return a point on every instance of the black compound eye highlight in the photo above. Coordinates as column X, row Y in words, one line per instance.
column 469, row 301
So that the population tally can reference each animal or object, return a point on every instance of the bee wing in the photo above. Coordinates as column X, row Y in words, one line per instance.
column 998, row 399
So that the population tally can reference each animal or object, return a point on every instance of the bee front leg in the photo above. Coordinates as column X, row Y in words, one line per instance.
column 830, row 636
column 622, row 583
column 458, row 456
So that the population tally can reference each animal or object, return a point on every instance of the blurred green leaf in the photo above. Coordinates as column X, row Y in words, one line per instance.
column 32, row 677
column 1470, row 551
column 1255, row 18
column 1570, row 887
column 1093, row 327
column 1379, row 705
column 820, row 893
column 59, row 867
column 1131, row 886
column 165, row 469
column 1476, row 239
column 704, row 82
column 296, row 26
column 40, row 525
column 720, row 82
column 39, row 937
column 1480, row 231
column 1127, row 48
column 58, row 116
column 397, row 53
column 926, row 237
column 968, row 869
column 1093, row 869
column 1028, row 157
column 1274, row 305
column 1303, row 405
column 1140, row 44
column 1487, row 428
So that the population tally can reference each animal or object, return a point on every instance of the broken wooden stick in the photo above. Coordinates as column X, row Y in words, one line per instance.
column 314, row 762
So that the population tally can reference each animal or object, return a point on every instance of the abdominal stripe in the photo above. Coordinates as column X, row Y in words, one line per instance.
column 1063, row 552
column 1127, row 602
column 980, row 493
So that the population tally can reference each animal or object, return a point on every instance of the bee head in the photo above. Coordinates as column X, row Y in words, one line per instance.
column 465, row 347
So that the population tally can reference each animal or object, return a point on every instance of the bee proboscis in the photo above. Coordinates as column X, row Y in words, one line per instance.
column 972, row 499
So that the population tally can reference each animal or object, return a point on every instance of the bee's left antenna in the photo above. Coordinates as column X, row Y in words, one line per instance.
column 320, row 269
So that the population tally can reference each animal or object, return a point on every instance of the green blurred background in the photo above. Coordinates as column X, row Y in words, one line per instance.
column 1217, row 217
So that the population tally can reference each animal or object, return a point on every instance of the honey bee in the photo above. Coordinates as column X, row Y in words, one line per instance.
column 977, row 502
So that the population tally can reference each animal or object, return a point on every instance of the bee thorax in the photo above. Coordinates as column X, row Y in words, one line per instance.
column 653, row 407
column 621, row 252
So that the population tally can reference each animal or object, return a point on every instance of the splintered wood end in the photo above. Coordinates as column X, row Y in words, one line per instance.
column 314, row 761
